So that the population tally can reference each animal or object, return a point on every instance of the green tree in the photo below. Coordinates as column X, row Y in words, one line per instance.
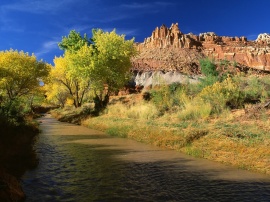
column 73, row 42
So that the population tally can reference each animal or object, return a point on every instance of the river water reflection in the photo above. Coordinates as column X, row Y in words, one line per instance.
column 80, row 164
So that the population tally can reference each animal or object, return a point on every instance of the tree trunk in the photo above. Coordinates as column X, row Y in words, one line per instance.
column 101, row 103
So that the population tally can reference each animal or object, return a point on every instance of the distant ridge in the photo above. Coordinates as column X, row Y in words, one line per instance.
column 168, row 49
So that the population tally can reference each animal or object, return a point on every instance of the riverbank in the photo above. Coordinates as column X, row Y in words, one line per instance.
column 16, row 156
column 236, row 137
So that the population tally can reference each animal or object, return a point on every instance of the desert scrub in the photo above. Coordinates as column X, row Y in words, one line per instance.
column 208, row 67
column 255, row 88
column 222, row 94
column 166, row 98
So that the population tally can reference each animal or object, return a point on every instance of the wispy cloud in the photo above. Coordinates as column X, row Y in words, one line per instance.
column 136, row 6
column 164, row 3
column 146, row 5
column 110, row 18
column 9, row 28
column 8, row 21
column 128, row 11
column 37, row 6
column 127, row 32
column 121, row 31
column 132, row 10
column 47, row 47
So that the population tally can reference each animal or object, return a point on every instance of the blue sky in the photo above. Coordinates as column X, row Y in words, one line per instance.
column 36, row 26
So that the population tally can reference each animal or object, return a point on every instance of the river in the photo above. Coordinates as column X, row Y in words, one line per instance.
column 80, row 164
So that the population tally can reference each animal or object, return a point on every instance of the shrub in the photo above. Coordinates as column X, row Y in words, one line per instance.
column 168, row 97
column 207, row 81
column 255, row 88
column 161, row 98
column 224, row 63
column 208, row 67
column 222, row 94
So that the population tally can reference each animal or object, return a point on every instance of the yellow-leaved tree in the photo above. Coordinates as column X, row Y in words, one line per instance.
column 20, row 75
column 100, row 64
column 111, row 64
column 66, row 82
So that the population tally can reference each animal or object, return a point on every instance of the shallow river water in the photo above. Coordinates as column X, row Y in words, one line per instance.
column 80, row 164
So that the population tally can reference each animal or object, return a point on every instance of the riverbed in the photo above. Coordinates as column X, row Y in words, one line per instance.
column 81, row 164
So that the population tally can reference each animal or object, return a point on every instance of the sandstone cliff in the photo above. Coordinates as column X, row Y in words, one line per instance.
column 168, row 49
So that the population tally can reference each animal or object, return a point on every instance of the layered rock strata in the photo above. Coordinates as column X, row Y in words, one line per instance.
column 168, row 49
column 153, row 78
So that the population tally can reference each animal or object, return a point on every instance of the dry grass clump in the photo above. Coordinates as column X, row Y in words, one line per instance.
column 144, row 111
column 196, row 109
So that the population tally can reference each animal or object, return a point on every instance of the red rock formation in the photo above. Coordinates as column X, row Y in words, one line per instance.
column 170, row 50
column 263, row 39
column 164, row 37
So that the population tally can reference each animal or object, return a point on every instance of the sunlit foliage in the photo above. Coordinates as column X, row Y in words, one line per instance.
column 20, row 76
column 73, row 42
column 20, row 73
column 101, row 65
column 65, row 82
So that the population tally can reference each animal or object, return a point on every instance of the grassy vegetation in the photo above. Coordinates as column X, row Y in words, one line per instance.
column 224, row 118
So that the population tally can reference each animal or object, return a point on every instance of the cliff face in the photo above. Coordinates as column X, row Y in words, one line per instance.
column 168, row 49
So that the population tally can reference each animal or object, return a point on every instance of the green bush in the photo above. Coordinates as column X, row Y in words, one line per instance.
column 167, row 97
column 161, row 98
column 255, row 88
column 12, row 111
column 224, row 63
column 208, row 67
column 207, row 81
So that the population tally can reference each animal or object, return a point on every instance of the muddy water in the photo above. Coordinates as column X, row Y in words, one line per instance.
column 80, row 164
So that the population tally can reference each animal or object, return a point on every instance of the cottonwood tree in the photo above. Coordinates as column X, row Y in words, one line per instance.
column 103, row 61
column 111, row 64
column 66, row 79
column 20, row 75
column 56, row 94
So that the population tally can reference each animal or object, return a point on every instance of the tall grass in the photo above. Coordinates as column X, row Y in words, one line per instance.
column 144, row 111
column 196, row 109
